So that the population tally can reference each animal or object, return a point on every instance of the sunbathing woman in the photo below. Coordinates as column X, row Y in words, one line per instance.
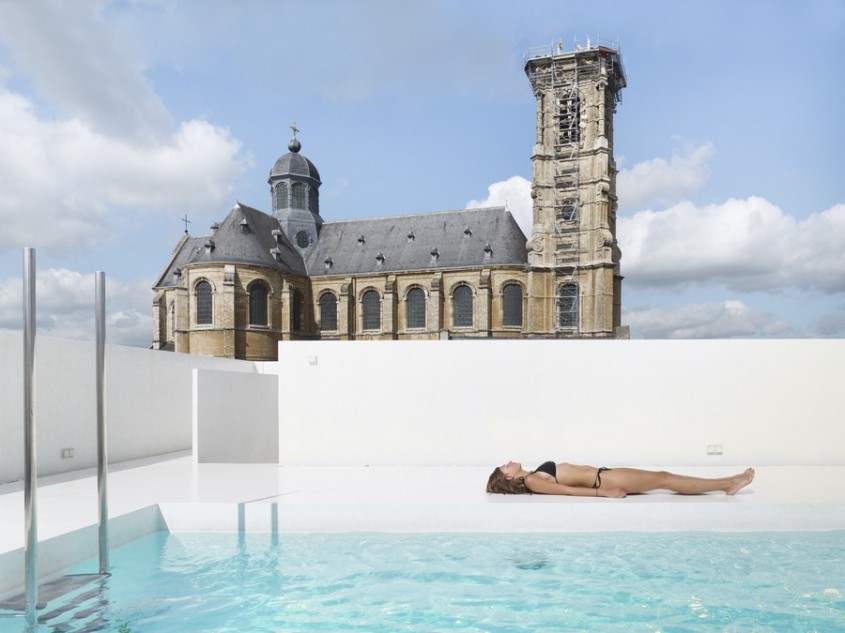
column 588, row 481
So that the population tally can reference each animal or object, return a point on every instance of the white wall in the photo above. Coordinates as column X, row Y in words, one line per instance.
column 600, row 402
column 236, row 418
column 148, row 402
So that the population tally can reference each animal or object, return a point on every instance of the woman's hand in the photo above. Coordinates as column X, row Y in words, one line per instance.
column 613, row 493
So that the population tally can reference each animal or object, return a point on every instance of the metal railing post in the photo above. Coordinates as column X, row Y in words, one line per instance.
column 102, row 449
column 30, row 463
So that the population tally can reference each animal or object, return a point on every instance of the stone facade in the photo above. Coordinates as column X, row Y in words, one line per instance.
column 260, row 278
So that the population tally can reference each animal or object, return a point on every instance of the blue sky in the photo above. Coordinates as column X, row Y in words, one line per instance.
column 117, row 118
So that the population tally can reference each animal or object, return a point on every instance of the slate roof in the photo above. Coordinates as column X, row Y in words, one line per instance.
column 464, row 238
column 233, row 244
column 296, row 164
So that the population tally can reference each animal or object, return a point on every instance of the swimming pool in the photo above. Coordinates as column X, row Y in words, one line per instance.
column 635, row 581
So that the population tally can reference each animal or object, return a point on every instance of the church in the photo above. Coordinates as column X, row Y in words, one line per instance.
column 259, row 278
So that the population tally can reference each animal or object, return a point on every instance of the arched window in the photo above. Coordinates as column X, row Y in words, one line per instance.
column 567, row 306
column 281, row 196
column 512, row 305
column 462, row 307
column 371, row 308
column 328, row 312
column 205, row 305
column 297, row 191
column 313, row 203
column 415, row 304
column 296, row 310
column 258, row 304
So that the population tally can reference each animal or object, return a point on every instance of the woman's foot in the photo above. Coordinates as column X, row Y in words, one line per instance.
column 740, row 481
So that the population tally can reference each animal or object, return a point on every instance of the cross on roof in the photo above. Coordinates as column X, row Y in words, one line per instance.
column 186, row 221
column 294, row 128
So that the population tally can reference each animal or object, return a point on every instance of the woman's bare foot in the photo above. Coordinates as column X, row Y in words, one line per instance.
column 740, row 481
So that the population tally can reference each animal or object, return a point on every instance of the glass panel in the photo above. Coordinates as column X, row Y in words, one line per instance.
column 512, row 305
column 258, row 304
column 328, row 312
column 205, row 314
column 372, row 310
column 281, row 196
column 313, row 205
column 462, row 307
column 568, row 306
column 415, row 302
column 296, row 311
column 298, row 195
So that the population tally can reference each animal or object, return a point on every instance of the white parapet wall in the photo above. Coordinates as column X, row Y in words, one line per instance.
column 620, row 402
column 149, row 406
column 236, row 418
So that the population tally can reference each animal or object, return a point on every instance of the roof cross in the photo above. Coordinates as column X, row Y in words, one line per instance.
column 294, row 128
column 186, row 221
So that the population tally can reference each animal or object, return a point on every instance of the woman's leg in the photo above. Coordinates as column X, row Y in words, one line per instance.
column 633, row 480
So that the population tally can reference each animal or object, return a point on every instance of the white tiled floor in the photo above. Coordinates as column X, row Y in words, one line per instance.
column 217, row 496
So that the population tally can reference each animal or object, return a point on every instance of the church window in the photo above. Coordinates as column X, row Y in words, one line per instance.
column 297, row 310
column 415, row 304
column 462, row 307
column 569, row 117
column 297, row 191
column 567, row 306
column 512, row 305
column 313, row 205
column 281, row 196
column 204, row 303
column 328, row 312
column 371, row 309
column 258, row 304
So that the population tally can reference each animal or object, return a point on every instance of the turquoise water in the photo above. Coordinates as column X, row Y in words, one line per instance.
column 669, row 582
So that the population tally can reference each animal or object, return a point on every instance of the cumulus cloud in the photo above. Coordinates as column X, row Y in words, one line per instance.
column 659, row 181
column 65, row 307
column 62, row 181
column 745, row 244
column 726, row 319
column 515, row 193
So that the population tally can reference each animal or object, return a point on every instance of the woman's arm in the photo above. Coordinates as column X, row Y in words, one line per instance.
column 546, row 487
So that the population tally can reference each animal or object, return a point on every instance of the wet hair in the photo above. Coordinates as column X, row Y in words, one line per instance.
column 500, row 484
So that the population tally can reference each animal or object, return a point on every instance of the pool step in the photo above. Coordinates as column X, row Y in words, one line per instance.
column 73, row 603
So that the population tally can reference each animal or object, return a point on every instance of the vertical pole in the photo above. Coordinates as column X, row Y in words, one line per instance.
column 102, row 453
column 30, row 464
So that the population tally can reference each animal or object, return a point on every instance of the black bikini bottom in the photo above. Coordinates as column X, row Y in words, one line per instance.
column 597, row 482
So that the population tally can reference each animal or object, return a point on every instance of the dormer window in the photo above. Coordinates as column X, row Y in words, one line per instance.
column 177, row 272
column 380, row 259
column 277, row 235
column 209, row 246
column 467, row 232
column 361, row 240
column 488, row 251
column 328, row 262
column 435, row 255
column 244, row 226
column 411, row 236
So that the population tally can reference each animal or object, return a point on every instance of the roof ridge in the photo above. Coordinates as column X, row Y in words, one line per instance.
column 416, row 215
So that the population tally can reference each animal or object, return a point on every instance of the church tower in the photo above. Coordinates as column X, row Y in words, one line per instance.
column 573, row 239
column 294, row 190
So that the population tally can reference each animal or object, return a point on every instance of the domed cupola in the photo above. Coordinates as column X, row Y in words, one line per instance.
column 294, row 190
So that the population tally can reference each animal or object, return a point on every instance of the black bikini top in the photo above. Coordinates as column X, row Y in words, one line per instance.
column 550, row 468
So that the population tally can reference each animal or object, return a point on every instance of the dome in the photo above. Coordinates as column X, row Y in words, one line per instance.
column 294, row 164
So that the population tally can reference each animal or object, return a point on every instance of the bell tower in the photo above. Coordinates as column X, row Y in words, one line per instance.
column 573, row 239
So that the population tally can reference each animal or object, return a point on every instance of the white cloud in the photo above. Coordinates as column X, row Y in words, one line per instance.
column 726, row 319
column 63, row 184
column 65, row 307
column 515, row 192
column 658, row 181
column 746, row 245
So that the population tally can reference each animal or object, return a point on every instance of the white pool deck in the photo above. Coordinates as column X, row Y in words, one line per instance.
column 172, row 492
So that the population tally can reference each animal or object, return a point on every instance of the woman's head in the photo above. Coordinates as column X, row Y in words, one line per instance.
column 504, row 484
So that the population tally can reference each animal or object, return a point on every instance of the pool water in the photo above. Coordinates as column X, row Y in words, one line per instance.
column 669, row 582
